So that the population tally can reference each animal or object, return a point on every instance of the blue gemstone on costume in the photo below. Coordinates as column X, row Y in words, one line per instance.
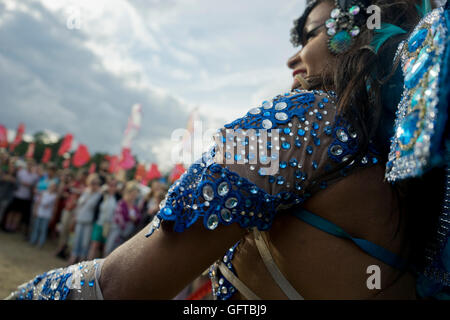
column 283, row 164
column 417, row 69
column 437, row 40
column 286, row 145
column 298, row 143
column 287, row 130
column 82, row 282
column 167, row 211
column 309, row 149
column 280, row 180
column 317, row 141
column 262, row 172
column 223, row 188
column 416, row 98
column 293, row 162
column 325, row 100
column 269, row 145
column 301, row 132
column 314, row 165
column 408, row 127
column 298, row 186
column 91, row 283
column 319, row 116
column 374, row 160
column 298, row 174
column 266, row 105
column 254, row 190
column 328, row 130
column 237, row 157
column 226, row 215
column 271, row 179
column 230, row 203
column 281, row 106
column 416, row 39
column 321, row 105
column 266, row 114
column 212, row 222
column 313, row 133
column 315, row 126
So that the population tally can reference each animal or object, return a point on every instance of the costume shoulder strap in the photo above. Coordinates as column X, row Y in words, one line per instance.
column 421, row 126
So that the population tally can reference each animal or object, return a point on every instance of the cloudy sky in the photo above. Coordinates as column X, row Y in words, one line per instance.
column 79, row 66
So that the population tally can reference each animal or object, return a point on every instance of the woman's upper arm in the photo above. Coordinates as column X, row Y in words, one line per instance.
column 160, row 266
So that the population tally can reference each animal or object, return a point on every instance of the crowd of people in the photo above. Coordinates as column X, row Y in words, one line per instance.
column 87, row 214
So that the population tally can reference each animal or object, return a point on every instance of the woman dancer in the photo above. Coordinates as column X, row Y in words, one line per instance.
column 310, row 226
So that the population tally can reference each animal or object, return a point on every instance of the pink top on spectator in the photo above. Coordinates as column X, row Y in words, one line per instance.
column 124, row 215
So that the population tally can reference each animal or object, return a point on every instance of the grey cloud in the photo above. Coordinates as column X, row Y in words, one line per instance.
column 50, row 80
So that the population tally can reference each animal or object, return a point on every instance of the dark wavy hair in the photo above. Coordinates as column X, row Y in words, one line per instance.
column 372, row 112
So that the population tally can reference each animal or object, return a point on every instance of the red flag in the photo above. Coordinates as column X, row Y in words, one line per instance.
column 66, row 163
column 113, row 163
column 81, row 156
column 30, row 150
column 18, row 138
column 126, row 160
column 153, row 173
column 3, row 137
column 92, row 168
column 176, row 172
column 140, row 172
column 66, row 144
column 47, row 155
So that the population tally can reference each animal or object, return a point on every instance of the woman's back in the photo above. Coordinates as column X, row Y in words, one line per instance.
column 313, row 260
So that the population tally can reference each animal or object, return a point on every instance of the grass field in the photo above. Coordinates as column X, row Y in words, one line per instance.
column 21, row 262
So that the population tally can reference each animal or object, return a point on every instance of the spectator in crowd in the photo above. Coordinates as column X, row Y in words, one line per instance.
column 7, row 185
column 45, row 207
column 64, row 186
column 84, row 218
column 103, row 172
column 4, row 161
column 47, row 174
column 19, row 210
column 103, row 219
column 149, row 205
column 126, row 218
column 76, row 187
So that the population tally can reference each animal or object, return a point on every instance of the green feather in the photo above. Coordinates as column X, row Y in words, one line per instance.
column 424, row 8
column 386, row 31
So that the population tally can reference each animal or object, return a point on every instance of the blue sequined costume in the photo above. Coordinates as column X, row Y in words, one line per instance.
column 421, row 140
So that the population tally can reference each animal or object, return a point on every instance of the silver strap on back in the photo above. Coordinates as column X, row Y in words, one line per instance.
column 238, row 284
column 277, row 275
